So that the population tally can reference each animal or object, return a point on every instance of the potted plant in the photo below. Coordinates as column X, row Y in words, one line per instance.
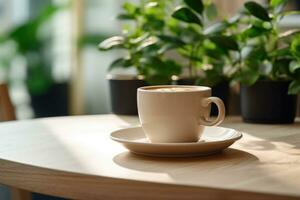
column 144, row 44
column 48, row 97
column 207, row 46
column 268, row 66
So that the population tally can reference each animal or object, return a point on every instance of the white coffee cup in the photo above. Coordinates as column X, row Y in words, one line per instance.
column 171, row 114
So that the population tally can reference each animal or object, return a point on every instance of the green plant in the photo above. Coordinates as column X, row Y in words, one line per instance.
column 264, row 51
column 32, row 46
column 145, row 41
column 208, row 43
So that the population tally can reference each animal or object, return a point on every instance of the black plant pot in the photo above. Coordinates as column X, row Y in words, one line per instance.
column 52, row 103
column 268, row 102
column 186, row 81
column 123, row 93
column 297, row 4
column 221, row 90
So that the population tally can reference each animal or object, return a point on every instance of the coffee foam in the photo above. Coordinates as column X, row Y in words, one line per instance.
column 173, row 89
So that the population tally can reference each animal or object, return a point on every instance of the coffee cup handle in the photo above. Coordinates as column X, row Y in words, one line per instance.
column 221, row 108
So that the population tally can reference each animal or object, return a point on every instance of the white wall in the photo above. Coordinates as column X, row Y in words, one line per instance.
column 99, row 18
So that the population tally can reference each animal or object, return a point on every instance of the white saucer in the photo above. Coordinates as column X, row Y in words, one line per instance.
column 213, row 140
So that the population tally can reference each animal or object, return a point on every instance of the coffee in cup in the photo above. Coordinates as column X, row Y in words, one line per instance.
column 171, row 114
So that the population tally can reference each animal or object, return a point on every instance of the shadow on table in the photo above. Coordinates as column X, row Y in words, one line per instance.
column 166, row 165
column 217, row 170
column 231, row 169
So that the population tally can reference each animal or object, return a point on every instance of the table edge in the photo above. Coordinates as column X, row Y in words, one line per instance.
column 40, row 179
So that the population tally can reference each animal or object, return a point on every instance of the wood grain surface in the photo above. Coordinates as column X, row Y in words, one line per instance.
column 7, row 113
column 73, row 157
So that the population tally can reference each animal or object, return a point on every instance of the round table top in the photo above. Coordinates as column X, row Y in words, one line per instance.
column 74, row 157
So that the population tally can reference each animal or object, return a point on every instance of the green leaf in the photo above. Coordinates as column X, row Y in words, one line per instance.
column 257, row 10
column 259, row 53
column 213, row 51
column 196, row 5
column 216, row 53
column 26, row 34
column 139, row 39
column 186, row 15
column 159, row 71
column 281, row 67
column 147, row 43
column 166, row 47
column 189, row 34
column 294, row 87
column 120, row 63
column 247, row 76
column 226, row 42
column 48, row 12
column 113, row 42
column 283, row 52
column 170, row 39
column 234, row 19
column 294, row 65
column 186, row 52
column 254, row 31
column 151, row 4
column 153, row 23
column 130, row 12
column 216, row 28
column 130, row 8
column 211, row 11
column 275, row 3
column 90, row 39
column 211, row 79
column 169, row 42
column 295, row 47
column 125, row 16
column 3, row 39
column 253, row 56
column 38, row 81
column 278, row 5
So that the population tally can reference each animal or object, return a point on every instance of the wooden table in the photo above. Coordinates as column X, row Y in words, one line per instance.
column 73, row 157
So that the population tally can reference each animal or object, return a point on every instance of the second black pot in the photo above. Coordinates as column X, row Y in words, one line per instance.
column 220, row 90
column 186, row 81
column 268, row 102
column 53, row 102
column 123, row 93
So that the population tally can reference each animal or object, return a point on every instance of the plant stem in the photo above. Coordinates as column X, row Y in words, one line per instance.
column 240, row 59
column 191, row 63
column 192, row 71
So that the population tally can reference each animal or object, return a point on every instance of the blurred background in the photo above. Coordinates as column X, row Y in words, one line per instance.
column 58, row 61
column 57, row 69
